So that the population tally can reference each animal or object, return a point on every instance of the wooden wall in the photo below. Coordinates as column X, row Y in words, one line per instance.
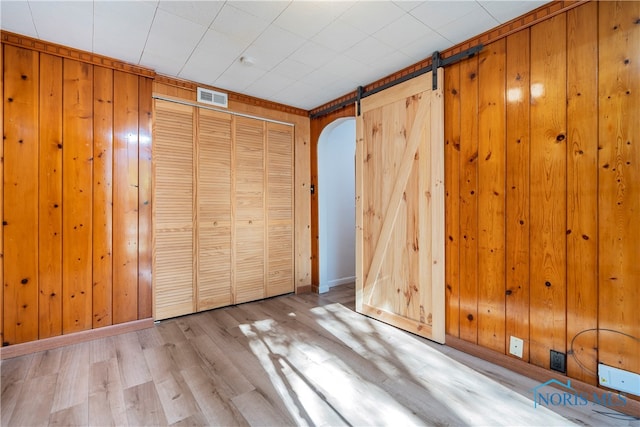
column 76, row 195
column 543, row 190
column 542, row 179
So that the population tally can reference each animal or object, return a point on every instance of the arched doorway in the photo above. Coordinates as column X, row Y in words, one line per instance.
column 336, row 203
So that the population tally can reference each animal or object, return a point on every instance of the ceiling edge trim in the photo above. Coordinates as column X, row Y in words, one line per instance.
column 19, row 40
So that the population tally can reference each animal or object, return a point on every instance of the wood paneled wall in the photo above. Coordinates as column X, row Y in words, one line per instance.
column 76, row 196
column 543, row 191
column 542, row 179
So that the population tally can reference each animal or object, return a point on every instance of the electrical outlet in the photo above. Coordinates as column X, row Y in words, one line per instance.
column 558, row 361
column 516, row 346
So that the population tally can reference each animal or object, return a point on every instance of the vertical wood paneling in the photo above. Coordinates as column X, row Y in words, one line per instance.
column 452, row 197
column 50, row 198
column 249, row 209
column 2, row 197
column 469, row 200
column 517, row 187
column 102, row 196
column 214, row 286
column 145, row 122
column 77, row 191
column 582, row 186
column 491, row 197
column 125, row 197
column 619, row 185
column 20, row 195
column 548, row 186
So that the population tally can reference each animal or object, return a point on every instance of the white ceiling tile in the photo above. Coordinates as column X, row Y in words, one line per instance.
column 293, row 69
column 15, row 16
column 402, row 31
column 269, row 84
column 437, row 14
column 200, row 12
column 368, row 51
column 171, row 41
column 343, row 65
column 267, row 10
column 407, row 5
column 298, row 94
column 425, row 46
column 277, row 42
column 212, row 57
column 467, row 26
column 238, row 77
column 312, row 54
column 339, row 36
column 371, row 16
column 305, row 19
column 120, row 28
column 505, row 10
column 238, row 24
column 76, row 18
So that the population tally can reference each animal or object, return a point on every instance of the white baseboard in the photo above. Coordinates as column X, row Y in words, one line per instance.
column 324, row 287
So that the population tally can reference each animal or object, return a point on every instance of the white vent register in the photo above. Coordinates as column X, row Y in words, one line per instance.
column 212, row 97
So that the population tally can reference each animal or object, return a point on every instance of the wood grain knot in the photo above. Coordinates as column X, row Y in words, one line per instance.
column 560, row 137
column 24, row 281
column 547, row 284
column 470, row 317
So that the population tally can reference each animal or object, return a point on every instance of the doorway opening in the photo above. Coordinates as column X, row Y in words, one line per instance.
column 336, row 204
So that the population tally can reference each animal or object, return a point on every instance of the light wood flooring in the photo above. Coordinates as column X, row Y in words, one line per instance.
column 292, row 360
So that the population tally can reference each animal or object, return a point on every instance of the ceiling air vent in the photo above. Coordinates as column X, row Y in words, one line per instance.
column 211, row 97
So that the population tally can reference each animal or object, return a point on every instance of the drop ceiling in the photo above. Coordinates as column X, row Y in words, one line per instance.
column 298, row 53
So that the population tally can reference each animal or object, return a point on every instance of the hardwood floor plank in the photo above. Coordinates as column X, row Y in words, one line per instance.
column 143, row 406
column 29, row 411
column 150, row 338
column 72, row 386
column 258, row 410
column 103, row 349
column 214, row 404
column 45, row 363
column 106, row 397
column 133, row 367
column 218, row 365
column 176, row 398
column 77, row 415
column 12, row 375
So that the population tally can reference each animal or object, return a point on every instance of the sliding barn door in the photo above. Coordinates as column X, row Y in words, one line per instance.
column 400, row 207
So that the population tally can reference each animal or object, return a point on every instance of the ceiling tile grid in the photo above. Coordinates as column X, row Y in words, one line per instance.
column 301, row 53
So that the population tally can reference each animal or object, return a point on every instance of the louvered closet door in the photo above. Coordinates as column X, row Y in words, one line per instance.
column 279, row 209
column 249, row 239
column 173, row 210
column 214, row 221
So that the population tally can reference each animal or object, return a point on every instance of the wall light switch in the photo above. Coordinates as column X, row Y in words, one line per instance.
column 516, row 346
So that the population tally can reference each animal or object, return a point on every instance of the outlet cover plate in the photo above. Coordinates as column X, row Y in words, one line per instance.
column 516, row 346
column 558, row 361
column 619, row 379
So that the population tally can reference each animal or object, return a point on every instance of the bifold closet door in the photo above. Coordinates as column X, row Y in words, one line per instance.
column 173, row 173
column 279, row 150
column 249, row 201
column 213, row 201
